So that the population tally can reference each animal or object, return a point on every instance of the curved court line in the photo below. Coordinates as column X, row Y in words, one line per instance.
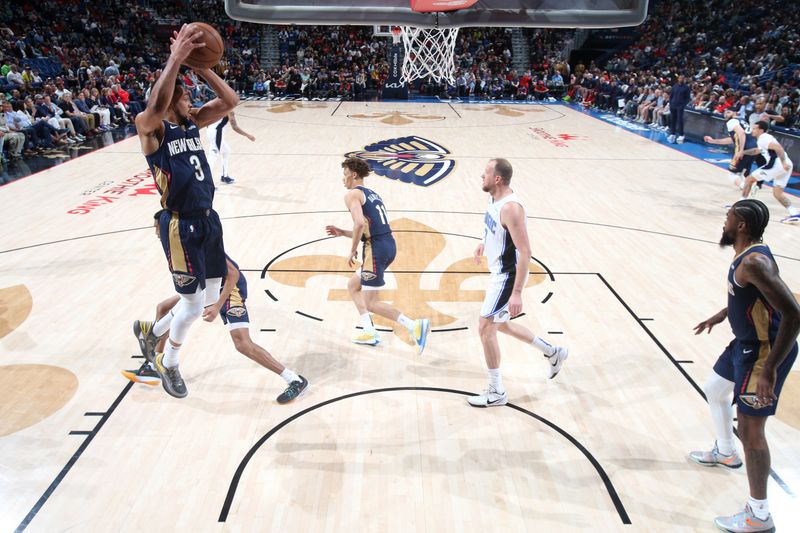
column 612, row 492
column 271, row 261
column 289, row 213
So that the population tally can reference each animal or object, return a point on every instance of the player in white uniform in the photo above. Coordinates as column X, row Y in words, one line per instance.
column 508, row 254
column 777, row 169
column 216, row 141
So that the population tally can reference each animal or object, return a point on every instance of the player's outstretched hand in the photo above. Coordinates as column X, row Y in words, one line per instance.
column 707, row 139
column 711, row 322
column 183, row 42
column 334, row 231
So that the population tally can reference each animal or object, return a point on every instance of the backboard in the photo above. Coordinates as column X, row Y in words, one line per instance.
column 483, row 13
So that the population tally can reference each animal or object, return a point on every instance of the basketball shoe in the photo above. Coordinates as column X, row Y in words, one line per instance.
column 744, row 522
column 792, row 219
column 143, row 330
column 293, row 391
column 367, row 338
column 557, row 360
column 422, row 327
column 227, row 179
column 145, row 374
column 170, row 378
column 489, row 398
column 713, row 458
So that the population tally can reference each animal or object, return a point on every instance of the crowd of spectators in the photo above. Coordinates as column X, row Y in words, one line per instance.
column 743, row 55
column 72, row 68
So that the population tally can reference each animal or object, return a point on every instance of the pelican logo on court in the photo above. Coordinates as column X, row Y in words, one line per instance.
column 182, row 280
column 408, row 159
column 237, row 312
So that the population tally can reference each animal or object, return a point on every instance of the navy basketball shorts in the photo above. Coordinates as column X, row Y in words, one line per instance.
column 498, row 293
column 234, row 312
column 744, row 165
column 377, row 253
column 194, row 249
column 743, row 363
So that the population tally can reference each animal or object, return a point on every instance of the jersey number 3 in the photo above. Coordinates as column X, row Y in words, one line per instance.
column 194, row 160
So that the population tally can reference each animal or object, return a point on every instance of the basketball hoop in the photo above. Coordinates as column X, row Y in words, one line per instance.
column 428, row 53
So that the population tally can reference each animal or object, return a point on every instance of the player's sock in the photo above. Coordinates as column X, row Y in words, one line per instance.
column 496, row 380
column 406, row 322
column 170, row 359
column 543, row 346
column 366, row 323
column 792, row 210
column 760, row 508
column 289, row 376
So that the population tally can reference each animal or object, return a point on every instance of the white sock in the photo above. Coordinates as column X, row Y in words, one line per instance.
column 289, row 376
column 496, row 380
column 543, row 346
column 760, row 508
column 719, row 393
column 162, row 324
column 170, row 358
column 366, row 323
column 406, row 322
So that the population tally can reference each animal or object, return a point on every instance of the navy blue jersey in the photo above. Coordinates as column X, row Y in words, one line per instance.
column 181, row 171
column 751, row 316
column 749, row 140
column 241, row 285
column 375, row 213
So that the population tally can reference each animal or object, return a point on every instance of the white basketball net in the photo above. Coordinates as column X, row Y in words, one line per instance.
column 429, row 54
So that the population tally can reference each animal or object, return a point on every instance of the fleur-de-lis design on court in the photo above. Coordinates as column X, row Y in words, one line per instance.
column 418, row 245
column 288, row 107
column 396, row 118
column 505, row 110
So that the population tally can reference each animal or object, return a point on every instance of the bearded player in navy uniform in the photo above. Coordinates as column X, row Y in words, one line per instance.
column 765, row 319
column 191, row 232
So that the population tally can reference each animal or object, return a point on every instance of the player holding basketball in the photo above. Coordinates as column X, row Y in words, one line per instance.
column 371, row 228
column 216, row 139
column 231, row 308
column 191, row 233
column 508, row 252
column 765, row 319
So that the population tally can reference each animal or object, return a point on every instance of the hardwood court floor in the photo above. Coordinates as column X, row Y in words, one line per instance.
column 624, row 232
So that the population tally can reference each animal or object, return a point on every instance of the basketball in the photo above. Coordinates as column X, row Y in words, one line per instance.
column 210, row 54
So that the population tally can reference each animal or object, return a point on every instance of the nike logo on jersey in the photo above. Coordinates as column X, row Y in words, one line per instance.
column 746, row 351
column 173, row 127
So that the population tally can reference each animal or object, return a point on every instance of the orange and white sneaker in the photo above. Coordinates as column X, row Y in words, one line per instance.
column 145, row 374
column 714, row 457
column 744, row 522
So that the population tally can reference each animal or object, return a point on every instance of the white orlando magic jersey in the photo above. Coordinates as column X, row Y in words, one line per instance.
column 501, row 254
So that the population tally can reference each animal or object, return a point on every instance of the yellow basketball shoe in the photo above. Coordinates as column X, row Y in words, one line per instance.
column 370, row 338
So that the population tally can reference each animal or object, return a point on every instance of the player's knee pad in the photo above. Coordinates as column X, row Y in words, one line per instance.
column 213, row 288
column 717, row 388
